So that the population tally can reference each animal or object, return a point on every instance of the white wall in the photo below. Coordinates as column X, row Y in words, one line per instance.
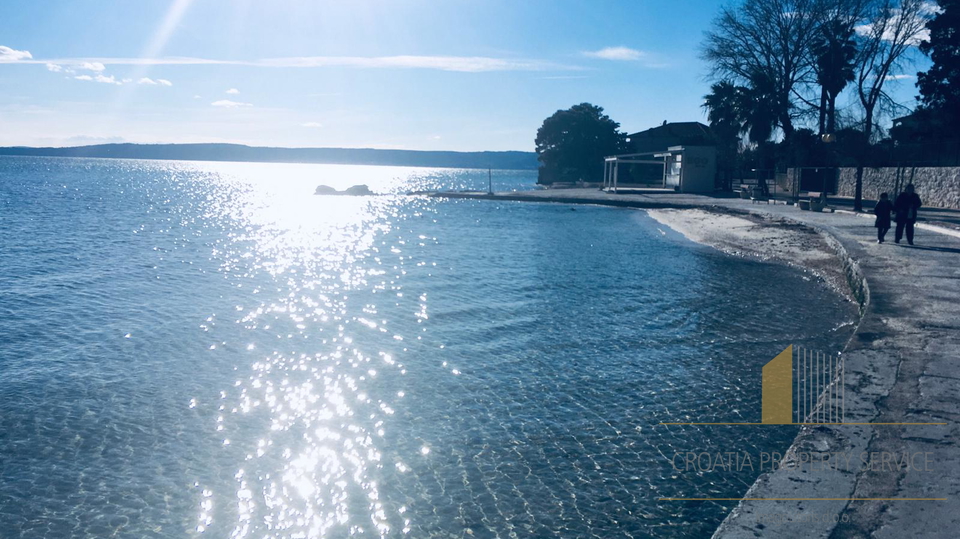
column 699, row 169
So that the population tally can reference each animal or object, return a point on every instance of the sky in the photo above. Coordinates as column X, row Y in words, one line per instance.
column 463, row 75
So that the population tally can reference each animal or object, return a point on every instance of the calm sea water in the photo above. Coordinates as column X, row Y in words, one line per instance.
column 209, row 350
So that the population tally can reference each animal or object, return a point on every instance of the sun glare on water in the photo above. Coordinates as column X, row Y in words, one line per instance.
column 303, row 425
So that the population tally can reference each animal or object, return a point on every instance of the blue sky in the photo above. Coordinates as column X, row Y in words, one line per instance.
column 416, row 74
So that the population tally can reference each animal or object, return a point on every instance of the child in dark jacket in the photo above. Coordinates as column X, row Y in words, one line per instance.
column 882, row 211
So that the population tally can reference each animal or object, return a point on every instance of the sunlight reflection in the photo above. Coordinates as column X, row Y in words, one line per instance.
column 315, row 459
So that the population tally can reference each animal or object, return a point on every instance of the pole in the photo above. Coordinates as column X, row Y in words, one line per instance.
column 489, row 181
column 616, row 169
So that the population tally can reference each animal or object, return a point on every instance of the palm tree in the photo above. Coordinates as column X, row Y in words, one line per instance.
column 734, row 110
column 757, row 108
column 724, row 106
column 737, row 110
column 834, row 52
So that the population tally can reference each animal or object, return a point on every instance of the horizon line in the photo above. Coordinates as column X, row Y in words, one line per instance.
column 256, row 146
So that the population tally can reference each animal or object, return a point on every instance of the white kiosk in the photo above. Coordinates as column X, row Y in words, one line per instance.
column 690, row 169
column 686, row 169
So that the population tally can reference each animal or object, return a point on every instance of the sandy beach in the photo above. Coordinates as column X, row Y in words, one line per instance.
column 766, row 238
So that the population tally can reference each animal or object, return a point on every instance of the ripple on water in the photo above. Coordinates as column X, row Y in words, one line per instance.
column 206, row 349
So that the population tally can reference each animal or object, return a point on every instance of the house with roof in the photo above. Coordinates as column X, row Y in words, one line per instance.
column 680, row 156
column 671, row 134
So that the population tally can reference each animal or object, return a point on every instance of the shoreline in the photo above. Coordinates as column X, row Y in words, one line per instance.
column 763, row 238
column 900, row 379
column 795, row 244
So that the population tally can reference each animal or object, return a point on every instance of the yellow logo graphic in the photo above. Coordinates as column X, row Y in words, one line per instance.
column 802, row 386
column 778, row 389
column 799, row 387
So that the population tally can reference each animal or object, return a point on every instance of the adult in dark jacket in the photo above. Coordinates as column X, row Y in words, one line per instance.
column 882, row 211
column 906, row 208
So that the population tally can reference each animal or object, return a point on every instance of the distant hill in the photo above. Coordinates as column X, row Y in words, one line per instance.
column 239, row 152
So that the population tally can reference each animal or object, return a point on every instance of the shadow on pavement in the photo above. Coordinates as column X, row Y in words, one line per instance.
column 926, row 248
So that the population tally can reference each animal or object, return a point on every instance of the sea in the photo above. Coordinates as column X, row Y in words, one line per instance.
column 200, row 349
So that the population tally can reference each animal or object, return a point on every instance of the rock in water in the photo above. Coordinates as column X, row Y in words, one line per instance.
column 358, row 190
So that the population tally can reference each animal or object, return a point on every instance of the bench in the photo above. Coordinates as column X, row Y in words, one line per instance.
column 757, row 196
column 815, row 201
column 744, row 190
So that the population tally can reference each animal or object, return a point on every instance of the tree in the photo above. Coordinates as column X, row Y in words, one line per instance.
column 572, row 143
column 734, row 110
column 725, row 112
column 765, row 44
column 834, row 52
column 737, row 110
column 940, row 85
column 893, row 28
column 724, row 105
column 759, row 108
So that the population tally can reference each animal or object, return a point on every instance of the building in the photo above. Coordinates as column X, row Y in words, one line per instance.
column 671, row 134
column 681, row 156
column 690, row 169
column 685, row 169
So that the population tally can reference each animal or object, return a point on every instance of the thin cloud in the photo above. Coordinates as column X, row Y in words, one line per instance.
column 173, row 60
column 154, row 82
column 564, row 77
column 8, row 55
column 311, row 124
column 106, row 80
column 92, row 66
column 616, row 53
column 233, row 91
column 899, row 77
column 466, row 64
column 926, row 12
column 469, row 64
column 54, row 68
column 227, row 104
column 99, row 78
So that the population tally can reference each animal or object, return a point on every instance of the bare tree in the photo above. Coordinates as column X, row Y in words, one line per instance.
column 893, row 28
column 767, row 40
column 834, row 53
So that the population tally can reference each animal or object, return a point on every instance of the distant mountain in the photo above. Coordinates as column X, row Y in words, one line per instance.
column 239, row 152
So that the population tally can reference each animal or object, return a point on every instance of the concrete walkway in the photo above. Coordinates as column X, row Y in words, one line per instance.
column 945, row 217
column 902, row 366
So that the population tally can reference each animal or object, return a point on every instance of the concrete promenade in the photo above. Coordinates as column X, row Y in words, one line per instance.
column 902, row 368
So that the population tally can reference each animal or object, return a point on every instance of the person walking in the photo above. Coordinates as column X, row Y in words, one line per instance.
column 906, row 206
column 882, row 210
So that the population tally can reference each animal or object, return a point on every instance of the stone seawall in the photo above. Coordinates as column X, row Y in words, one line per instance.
column 937, row 186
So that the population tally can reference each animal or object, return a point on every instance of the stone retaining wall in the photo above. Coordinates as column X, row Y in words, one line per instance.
column 937, row 186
